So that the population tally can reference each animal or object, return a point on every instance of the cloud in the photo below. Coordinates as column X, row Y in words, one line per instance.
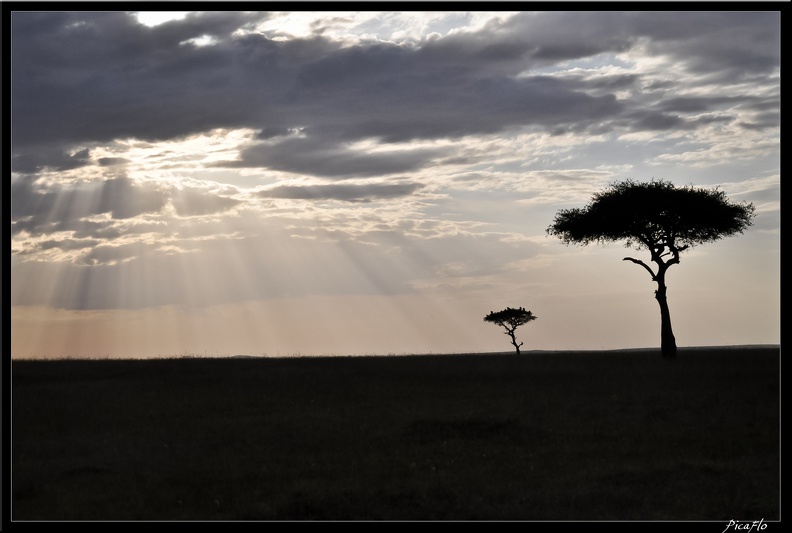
column 434, row 97
column 37, row 209
column 191, row 201
column 348, row 193
column 212, row 23
column 112, row 161
column 724, row 42
column 123, row 198
column 268, row 132
column 763, row 121
column 730, row 45
column 317, row 157
column 105, row 254
column 50, row 159
column 656, row 121
column 40, row 209
column 94, row 77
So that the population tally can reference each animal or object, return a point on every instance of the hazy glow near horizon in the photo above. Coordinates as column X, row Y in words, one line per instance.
column 220, row 183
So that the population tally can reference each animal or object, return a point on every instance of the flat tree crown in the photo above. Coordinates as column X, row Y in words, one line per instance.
column 651, row 215
column 510, row 317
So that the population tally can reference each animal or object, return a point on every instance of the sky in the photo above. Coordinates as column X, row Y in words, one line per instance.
column 372, row 183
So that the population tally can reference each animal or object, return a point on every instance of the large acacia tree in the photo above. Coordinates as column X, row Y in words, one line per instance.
column 658, row 217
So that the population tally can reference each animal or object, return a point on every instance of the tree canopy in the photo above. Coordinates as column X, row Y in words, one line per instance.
column 652, row 214
column 510, row 319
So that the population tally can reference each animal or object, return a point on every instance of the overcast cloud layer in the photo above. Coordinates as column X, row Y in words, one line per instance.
column 361, row 153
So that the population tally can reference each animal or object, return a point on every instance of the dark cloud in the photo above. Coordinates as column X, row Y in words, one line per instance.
column 330, row 159
column 206, row 23
column 94, row 77
column 348, row 193
column 763, row 121
column 274, row 131
column 656, row 121
column 711, row 119
column 444, row 109
column 49, row 159
column 398, row 94
column 687, row 104
column 112, row 161
column 614, row 82
column 82, row 77
column 726, row 42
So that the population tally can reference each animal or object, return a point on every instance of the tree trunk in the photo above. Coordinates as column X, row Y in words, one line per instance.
column 514, row 341
column 667, row 341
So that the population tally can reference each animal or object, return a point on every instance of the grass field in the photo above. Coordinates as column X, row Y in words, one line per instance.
column 611, row 435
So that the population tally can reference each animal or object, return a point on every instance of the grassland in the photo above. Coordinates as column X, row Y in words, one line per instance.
column 558, row 436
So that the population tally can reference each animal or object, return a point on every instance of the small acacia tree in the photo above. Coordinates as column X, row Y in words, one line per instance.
column 659, row 217
column 510, row 319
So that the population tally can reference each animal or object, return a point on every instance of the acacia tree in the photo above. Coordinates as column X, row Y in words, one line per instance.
column 659, row 217
column 510, row 319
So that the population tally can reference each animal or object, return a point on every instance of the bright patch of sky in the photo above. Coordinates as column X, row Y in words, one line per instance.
column 155, row 18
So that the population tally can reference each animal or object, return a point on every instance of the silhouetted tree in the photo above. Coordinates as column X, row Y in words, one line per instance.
column 510, row 319
column 659, row 217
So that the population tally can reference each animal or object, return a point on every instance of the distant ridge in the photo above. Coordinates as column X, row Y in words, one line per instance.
column 655, row 349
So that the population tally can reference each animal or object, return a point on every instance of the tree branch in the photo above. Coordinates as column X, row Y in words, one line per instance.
column 638, row 262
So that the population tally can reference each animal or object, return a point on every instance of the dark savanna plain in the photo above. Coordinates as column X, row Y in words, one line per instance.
column 553, row 436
